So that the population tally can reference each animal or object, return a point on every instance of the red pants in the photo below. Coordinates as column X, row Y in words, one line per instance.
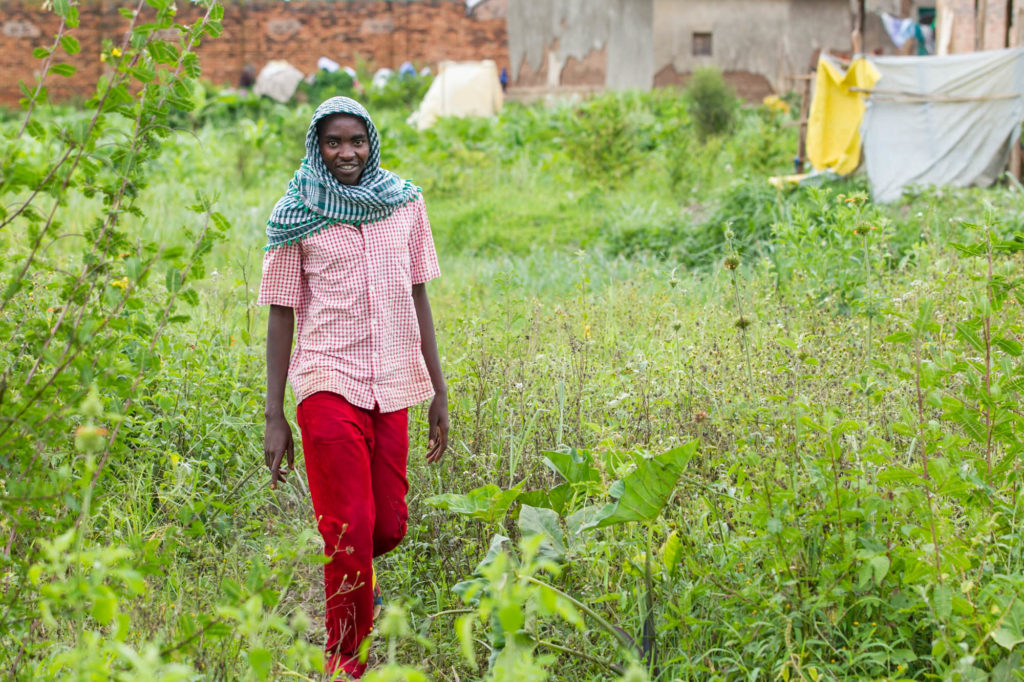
column 355, row 465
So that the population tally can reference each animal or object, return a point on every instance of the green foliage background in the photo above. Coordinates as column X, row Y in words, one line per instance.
column 799, row 411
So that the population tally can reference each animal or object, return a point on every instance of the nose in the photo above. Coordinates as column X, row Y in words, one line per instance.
column 346, row 151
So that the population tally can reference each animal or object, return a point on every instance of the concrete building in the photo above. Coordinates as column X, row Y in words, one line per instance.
column 593, row 44
column 758, row 44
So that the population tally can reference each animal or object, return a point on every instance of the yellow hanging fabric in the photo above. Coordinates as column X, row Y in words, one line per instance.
column 833, row 125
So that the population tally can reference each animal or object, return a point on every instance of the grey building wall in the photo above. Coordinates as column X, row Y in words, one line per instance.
column 544, row 34
column 767, row 38
column 640, row 43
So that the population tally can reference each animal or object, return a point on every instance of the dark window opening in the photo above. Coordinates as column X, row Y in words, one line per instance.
column 702, row 44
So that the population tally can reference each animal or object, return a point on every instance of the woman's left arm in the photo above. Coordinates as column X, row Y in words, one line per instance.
column 437, row 416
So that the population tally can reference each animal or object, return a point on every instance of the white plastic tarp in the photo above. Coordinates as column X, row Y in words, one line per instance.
column 278, row 80
column 948, row 120
column 460, row 89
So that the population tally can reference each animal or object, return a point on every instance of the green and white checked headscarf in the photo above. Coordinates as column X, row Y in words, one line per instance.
column 315, row 199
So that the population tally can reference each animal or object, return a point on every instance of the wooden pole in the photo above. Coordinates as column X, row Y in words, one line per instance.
column 980, row 14
column 857, row 33
column 1015, row 160
column 805, row 108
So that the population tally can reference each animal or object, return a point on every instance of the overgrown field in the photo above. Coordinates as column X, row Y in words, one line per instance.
column 701, row 428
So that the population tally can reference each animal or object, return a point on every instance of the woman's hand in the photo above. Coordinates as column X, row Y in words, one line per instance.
column 277, row 442
column 437, row 421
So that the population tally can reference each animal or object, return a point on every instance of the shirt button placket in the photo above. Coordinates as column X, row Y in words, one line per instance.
column 371, row 308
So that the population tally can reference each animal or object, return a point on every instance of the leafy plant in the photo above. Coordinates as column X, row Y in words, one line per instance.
column 604, row 139
column 712, row 103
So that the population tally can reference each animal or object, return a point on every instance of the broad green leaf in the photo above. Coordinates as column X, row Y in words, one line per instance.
column 191, row 65
column 880, row 567
column 511, row 616
column 488, row 503
column 641, row 495
column 1007, row 638
column 1007, row 668
column 1014, row 384
column 961, row 606
column 464, row 628
column 899, row 337
column 863, row 575
column 969, row 249
column 497, row 547
column 104, row 606
column 942, row 599
column 965, row 332
column 261, row 661
column 70, row 44
column 557, row 498
column 671, row 551
column 574, row 466
column 974, row 428
column 222, row 223
column 63, row 69
column 540, row 521
column 1011, row 630
column 578, row 521
column 787, row 343
column 190, row 296
column 1008, row 346
column 144, row 73
column 174, row 279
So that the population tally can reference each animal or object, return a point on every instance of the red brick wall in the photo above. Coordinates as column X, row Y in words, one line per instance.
column 255, row 31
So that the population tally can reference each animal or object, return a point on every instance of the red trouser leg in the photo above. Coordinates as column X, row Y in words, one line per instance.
column 387, row 469
column 355, row 465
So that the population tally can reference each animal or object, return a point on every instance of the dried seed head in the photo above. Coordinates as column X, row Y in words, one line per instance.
column 742, row 322
column 700, row 416
column 731, row 262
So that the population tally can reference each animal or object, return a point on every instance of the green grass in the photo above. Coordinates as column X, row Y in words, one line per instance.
column 579, row 312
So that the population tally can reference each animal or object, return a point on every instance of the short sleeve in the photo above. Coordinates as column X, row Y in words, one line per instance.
column 423, row 258
column 282, row 276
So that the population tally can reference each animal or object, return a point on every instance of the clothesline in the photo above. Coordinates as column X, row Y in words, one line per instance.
column 915, row 97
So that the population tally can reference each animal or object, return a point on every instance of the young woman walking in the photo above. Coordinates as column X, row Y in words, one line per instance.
column 348, row 257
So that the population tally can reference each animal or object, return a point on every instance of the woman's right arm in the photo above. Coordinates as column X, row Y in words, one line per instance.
column 277, row 434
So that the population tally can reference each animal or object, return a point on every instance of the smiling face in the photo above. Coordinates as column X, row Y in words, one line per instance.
column 344, row 146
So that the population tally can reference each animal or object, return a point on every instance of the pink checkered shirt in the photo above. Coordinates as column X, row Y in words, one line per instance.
column 351, row 289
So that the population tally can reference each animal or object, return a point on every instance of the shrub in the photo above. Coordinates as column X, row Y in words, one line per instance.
column 603, row 139
column 712, row 103
column 328, row 84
